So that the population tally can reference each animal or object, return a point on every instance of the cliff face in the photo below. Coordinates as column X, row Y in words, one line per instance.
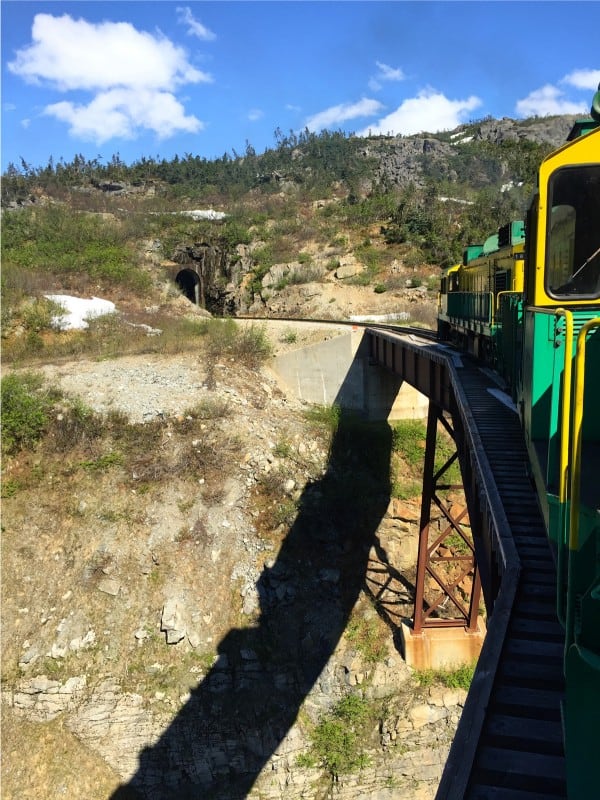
column 409, row 160
column 183, row 615
column 542, row 130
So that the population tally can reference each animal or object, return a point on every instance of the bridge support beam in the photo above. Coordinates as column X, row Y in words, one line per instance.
column 447, row 629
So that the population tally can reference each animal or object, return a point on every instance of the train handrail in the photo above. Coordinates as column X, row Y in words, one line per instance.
column 563, row 470
column 472, row 311
column 579, row 384
column 563, row 467
column 491, row 308
column 501, row 294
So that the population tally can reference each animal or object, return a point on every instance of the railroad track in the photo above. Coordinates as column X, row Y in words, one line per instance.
column 422, row 333
column 519, row 755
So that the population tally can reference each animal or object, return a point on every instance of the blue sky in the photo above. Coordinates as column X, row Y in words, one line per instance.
column 157, row 79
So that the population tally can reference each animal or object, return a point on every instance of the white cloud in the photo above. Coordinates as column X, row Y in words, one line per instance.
column 123, row 113
column 255, row 114
column 74, row 54
column 335, row 115
column 548, row 100
column 385, row 73
column 429, row 111
column 195, row 28
column 583, row 79
column 133, row 74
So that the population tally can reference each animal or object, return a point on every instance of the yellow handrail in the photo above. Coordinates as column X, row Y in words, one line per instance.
column 577, row 426
column 565, row 420
column 501, row 294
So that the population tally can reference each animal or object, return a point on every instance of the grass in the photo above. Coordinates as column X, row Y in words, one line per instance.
column 452, row 678
column 408, row 452
column 369, row 635
column 282, row 449
column 111, row 336
column 103, row 462
column 324, row 418
column 408, row 440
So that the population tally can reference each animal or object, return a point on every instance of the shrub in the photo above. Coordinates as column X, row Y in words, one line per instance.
column 53, row 239
column 42, row 314
column 75, row 424
column 24, row 411
column 290, row 337
column 336, row 741
column 252, row 346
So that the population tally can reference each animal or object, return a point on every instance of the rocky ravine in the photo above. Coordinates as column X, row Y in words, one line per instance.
column 164, row 640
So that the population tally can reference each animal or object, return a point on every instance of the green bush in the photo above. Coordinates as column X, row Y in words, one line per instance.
column 25, row 411
column 336, row 741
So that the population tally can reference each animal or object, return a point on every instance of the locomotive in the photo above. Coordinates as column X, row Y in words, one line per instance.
column 527, row 303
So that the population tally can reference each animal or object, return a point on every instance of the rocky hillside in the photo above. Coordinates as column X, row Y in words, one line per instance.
column 402, row 160
column 202, row 591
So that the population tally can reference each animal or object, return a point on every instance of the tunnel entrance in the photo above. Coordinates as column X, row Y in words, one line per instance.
column 189, row 282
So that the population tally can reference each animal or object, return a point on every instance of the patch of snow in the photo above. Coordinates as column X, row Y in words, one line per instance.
column 77, row 310
column 464, row 140
column 455, row 200
column 510, row 185
column 207, row 213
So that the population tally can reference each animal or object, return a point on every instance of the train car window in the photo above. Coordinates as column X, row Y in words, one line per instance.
column 573, row 243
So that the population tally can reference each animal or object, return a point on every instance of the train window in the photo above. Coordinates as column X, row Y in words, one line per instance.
column 573, row 244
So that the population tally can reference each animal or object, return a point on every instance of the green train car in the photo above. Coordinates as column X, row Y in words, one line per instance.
column 528, row 302
column 470, row 292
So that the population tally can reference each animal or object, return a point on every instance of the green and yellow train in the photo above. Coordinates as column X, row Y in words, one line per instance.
column 528, row 303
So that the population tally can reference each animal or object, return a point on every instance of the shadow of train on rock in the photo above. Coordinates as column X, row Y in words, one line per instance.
column 237, row 717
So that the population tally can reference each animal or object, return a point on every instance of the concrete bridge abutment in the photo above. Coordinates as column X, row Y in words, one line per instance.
column 340, row 370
